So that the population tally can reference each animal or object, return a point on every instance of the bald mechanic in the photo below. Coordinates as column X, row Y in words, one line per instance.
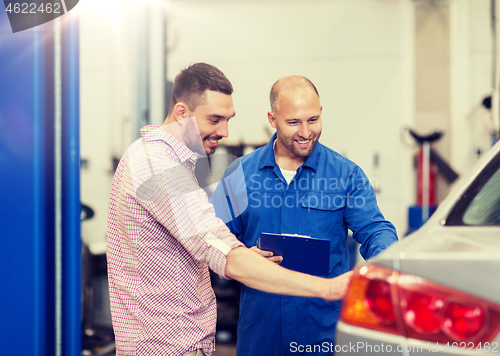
column 163, row 234
column 296, row 185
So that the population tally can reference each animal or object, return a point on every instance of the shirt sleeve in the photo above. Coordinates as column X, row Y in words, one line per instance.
column 364, row 219
column 230, row 199
column 173, row 197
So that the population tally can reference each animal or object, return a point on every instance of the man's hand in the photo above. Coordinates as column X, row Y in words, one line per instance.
column 338, row 286
column 267, row 254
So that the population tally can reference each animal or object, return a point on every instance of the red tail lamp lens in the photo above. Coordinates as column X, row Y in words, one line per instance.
column 464, row 322
column 379, row 300
column 423, row 312
column 410, row 306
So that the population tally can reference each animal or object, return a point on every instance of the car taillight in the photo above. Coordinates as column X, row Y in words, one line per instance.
column 381, row 299
column 423, row 312
column 378, row 298
column 464, row 321
column 369, row 300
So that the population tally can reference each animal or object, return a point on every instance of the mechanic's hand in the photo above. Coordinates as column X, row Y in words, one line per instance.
column 268, row 255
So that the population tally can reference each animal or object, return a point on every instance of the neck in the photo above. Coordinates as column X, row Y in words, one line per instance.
column 170, row 125
column 286, row 159
column 186, row 131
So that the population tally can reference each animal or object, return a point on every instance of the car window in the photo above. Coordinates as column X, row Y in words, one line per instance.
column 484, row 209
column 479, row 205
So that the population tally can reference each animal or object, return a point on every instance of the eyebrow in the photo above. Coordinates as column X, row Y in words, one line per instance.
column 296, row 119
column 216, row 116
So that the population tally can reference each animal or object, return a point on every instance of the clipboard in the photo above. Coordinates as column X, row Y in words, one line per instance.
column 300, row 253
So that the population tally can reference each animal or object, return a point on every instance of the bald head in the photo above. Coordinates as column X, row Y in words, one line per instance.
column 289, row 84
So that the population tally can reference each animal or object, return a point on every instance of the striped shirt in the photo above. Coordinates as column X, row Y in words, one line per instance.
column 162, row 237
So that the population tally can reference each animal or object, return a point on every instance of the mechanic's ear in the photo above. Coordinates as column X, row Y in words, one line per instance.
column 272, row 119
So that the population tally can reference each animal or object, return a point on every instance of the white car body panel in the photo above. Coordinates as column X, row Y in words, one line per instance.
column 465, row 258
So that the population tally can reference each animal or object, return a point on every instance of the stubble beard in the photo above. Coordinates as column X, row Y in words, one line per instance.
column 290, row 146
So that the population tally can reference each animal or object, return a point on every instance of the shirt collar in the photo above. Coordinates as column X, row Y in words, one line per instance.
column 268, row 160
column 152, row 133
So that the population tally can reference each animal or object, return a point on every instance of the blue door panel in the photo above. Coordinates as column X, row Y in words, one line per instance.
column 27, row 195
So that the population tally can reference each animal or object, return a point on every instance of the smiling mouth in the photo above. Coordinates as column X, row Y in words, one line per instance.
column 304, row 142
column 212, row 142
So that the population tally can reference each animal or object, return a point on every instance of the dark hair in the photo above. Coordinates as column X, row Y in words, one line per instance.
column 191, row 83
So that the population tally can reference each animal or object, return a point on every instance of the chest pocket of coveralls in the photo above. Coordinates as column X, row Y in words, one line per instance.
column 324, row 211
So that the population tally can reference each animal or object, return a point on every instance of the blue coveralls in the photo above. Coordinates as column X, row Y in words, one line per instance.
column 328, row 195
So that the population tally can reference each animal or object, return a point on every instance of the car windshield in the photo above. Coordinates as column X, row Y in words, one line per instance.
column 484, row 209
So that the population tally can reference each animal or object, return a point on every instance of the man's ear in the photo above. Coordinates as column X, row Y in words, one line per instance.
column 181, row 111
column 272, row 119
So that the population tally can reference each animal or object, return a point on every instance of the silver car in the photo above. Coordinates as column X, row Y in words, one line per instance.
column 436, row 291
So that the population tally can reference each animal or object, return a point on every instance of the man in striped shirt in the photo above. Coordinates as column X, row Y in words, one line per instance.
column 163, row 234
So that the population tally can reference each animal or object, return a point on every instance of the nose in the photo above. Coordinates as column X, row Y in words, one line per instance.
column 222, row 129
column 304, row 130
